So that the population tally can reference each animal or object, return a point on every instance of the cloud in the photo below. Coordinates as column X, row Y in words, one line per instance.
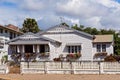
column 100, row 13
column 32, row 5
column 81, row 8
column 96, row 13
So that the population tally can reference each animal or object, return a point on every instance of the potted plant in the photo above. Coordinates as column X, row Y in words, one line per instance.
column 46, row 54
column 73, row 56
column 100, row 54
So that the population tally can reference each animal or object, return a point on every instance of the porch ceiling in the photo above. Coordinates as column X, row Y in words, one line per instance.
column 28, row 42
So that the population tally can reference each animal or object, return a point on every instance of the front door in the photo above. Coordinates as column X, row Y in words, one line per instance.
column 28, row 48
column 42, row 48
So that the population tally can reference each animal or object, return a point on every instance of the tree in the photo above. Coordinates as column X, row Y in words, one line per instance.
column 65, row 24
column 30, row 25
column 81, row 28
column 117, row 44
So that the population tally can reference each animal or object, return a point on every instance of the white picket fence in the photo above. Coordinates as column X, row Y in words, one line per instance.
column 71, row 67
column 4, row 69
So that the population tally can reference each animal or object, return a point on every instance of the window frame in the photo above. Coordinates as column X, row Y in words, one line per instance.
column 74, row 49
column 101, row 48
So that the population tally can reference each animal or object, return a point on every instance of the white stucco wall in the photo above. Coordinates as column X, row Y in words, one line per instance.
column 86, row 44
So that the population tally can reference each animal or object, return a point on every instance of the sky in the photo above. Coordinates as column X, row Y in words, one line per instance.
column 92, row 13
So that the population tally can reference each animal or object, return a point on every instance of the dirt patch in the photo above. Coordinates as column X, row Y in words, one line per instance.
column 58, row 77
column 14, row 70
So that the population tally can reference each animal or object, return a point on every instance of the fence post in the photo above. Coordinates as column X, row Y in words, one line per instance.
column 7, row 69
column 100, row 67
column 72, row 71
column 21, row 67
column 46, row 67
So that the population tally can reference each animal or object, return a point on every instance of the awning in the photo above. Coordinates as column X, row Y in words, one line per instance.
column 73, row 44
column 28, row 42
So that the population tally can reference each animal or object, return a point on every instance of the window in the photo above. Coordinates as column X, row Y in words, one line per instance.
column 42, row 48
column 1, row 44
column 14, row 35
column 11, row 35
column 1, row 30
column 74, row 49
column 6, row 31
column 68, row 49
column 79, row 48
column 101, row 47
column 98, row 48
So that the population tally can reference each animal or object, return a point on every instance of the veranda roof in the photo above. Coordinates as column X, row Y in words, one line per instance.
column 103, row 38
column 30, row 38
column 28, row 42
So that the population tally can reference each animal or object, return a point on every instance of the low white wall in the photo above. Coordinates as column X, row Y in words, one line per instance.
column 70, row 67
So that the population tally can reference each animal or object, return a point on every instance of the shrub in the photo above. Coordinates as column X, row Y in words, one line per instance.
column 100, row 54
column 57, row 59
column 44, row 55
column 73, row 55
column 110, row 58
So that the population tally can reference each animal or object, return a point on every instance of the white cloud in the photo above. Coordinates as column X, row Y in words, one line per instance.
column 32, row 4
column 97, row 13
column 82, row 8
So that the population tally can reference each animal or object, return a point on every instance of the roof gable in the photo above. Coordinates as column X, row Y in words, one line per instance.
column 63, row 29
column 31, row 37
column 11, row 28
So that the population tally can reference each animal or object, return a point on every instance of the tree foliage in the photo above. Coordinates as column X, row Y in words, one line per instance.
column 30, row 25
column 65, row 24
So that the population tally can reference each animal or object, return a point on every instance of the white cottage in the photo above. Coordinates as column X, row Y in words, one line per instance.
column 62, row 42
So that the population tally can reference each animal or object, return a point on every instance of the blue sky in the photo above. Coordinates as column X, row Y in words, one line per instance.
column 95, row 13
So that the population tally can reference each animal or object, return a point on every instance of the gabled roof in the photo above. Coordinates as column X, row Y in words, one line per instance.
column 103, row 38
column 11, row 28
column 30, row 38
column 80, row 32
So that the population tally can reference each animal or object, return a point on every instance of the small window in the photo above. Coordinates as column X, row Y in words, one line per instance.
column 98, row 48
column 103, row 48
column 14, row 35
column 74, row 49
column 11, row 35
column 1, row 45
column 68, row 49
column 1, row 30
column 79, row 48
column 6, row 31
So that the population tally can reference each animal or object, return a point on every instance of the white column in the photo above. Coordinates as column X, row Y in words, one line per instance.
column 23, row 49
column 23, row 52
column 33, row 48
column 18, row 48
column 38, row 49
column 37, row 58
